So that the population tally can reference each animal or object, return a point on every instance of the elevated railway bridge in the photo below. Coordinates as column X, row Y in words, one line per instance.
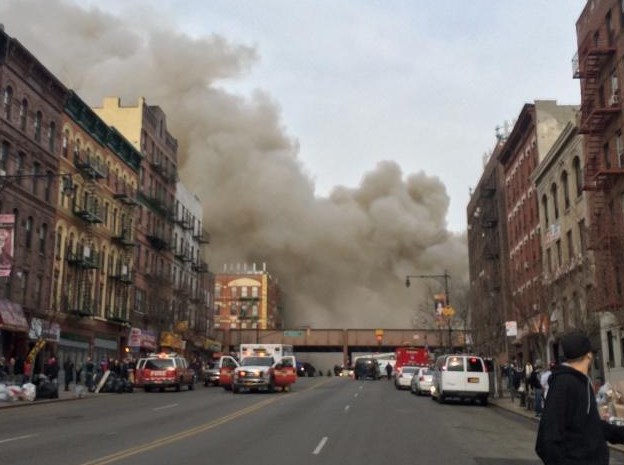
column 346, row 341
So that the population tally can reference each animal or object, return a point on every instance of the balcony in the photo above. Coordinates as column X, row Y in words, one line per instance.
column 125, row 194
column 89, row 211
column 90, row 167
column 158, row 278
column 158, row 203
column 200, row 266
column 122, row 275
column 158, row 241
column 179, row 253
column 202, row 237
column 118, row 316
column 85, row 259
column 124, row 238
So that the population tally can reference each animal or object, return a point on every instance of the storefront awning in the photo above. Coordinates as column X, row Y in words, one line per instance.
column 12, row 317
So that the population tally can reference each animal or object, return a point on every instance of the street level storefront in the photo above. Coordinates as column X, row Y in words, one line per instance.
column 13, row 329
column 43, row 336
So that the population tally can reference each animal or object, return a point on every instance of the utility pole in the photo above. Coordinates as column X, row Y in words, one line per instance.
column 447, row 311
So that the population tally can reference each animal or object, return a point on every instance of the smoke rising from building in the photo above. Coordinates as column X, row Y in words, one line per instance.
column 341, row 261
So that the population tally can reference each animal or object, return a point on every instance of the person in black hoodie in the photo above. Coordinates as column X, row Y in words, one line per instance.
column 571, row 431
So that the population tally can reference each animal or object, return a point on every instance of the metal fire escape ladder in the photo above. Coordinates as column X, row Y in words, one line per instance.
column 596, row 113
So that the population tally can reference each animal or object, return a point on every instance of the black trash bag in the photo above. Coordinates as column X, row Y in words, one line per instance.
column 127, row 386
column 45, row 389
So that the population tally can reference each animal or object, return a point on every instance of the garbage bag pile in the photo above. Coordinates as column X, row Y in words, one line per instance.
column 115, row 383
column 13, row 392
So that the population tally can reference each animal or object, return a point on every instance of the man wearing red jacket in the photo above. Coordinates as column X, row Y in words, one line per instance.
column 571, row 431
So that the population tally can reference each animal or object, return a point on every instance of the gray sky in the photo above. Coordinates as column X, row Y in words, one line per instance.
column 419, row 82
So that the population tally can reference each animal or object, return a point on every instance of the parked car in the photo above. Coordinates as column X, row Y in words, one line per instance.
column 211, row 373
column 403, row 377
column 460, row 376
column 421, row 381
column 305, row 369
column 366, row 368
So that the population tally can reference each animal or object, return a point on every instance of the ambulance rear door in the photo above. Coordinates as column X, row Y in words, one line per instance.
column 228, row 364
column 285, row 372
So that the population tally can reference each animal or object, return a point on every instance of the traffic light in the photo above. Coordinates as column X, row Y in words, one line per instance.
column 379, row 338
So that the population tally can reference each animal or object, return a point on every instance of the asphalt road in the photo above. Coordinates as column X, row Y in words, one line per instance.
column 323, row 420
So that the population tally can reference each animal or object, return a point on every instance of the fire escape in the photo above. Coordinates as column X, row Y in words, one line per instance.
column 487, row 274
column 604, row 165
column 121, row 274
column 85, row 260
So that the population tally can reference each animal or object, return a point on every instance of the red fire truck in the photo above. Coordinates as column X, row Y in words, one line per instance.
column 412, row 356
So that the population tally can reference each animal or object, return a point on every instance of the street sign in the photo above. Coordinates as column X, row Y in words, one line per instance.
column 293, row 333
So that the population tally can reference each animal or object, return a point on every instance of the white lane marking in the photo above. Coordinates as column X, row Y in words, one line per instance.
column 347, row 408
column 361, row 386
column 355, row 395
column 165, row 407
column 17, row 438
column 320, row 446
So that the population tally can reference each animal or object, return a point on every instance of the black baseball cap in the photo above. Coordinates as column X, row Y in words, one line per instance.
column 575, row 345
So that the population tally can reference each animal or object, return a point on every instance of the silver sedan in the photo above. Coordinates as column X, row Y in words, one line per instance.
column 421, row 381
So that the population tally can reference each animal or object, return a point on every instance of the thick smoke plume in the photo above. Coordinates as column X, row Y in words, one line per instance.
column 342, row 260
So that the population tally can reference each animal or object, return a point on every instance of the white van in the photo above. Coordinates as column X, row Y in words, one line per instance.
column 462, row 376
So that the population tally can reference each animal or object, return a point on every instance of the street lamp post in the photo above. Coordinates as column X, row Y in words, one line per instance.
column 447, row 310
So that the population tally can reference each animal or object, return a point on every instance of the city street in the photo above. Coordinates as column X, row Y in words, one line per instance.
column 323, row 420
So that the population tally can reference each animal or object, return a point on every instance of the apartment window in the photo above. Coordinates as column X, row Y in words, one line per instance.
column 578, row 175
column 254, row 291
column 23, row 114
column 65, row 144
column 58, row 252
column 51, row 136
column 233, row 292
column 545, row 209
column 566, row 190
column 7, row 101
column 553, row 192
column 244, row 291
column 24, row 285
column 4, row 157
column 38, row 118
column 19, row 167
column 619, row 147
column 581, row 237
column 559, row 253
column 43, row 233
column 28, row 231
column 48, row 186
column 38, row 286
column 35, row 180
column 570, row 245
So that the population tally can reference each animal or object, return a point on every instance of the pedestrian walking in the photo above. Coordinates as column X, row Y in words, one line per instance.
column 89, row 374
column 68, row 369
column 571, row 431
column 544, row 379
column 389, row 371
column 535, row 383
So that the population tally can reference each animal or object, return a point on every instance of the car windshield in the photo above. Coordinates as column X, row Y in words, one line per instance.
column 257, row 361
column 409, row 370
column 158, row 363
column 426, row 372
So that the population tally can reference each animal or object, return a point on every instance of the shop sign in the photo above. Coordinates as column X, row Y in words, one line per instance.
column 44, row 329
column 174, row 341
column 141, row 338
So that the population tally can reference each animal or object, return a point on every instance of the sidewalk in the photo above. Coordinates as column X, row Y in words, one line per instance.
column 63, row 396
column 507, row 404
